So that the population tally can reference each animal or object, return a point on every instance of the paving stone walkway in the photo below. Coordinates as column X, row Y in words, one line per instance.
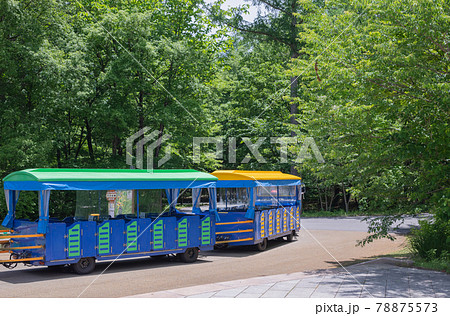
column 377, row 278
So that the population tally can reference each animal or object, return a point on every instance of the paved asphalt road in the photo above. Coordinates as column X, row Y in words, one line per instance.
column 318, row 246
column 356, row 224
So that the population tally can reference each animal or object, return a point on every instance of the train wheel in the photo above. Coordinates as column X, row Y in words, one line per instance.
column 189, row 256
column 11, row 265
column 290, row 237
column 262, row 245
column 84, row 266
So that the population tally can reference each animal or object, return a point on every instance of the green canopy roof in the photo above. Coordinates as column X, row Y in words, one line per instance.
column 101, row 179
column 50, row 175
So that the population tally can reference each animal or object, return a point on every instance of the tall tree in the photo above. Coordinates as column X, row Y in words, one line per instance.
column 277, row 21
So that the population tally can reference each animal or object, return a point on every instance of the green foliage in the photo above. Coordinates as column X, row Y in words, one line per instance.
column 77, row 78
column 432, row 240
column 369, row 81
column 439, row 264
column 376, row 102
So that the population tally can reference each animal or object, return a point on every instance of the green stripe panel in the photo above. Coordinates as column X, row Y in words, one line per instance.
column 74, row 241
column 158, row 234
column 183, row 233
column 104, row 239
column 132, row 233
column 206, row 231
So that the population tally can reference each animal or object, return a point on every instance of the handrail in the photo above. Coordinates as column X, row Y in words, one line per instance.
column 21, row 236
column 20, row 260
column 24, row 247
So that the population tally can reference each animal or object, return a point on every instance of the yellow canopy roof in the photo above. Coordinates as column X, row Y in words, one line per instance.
column 253, row 175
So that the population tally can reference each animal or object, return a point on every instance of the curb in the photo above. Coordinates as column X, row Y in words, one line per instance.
column 387, row 260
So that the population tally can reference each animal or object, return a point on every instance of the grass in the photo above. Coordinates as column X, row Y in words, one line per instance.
column 404, row 253
column 418, row 262
column 435, row 264
column 342, row 213
column 337, row 213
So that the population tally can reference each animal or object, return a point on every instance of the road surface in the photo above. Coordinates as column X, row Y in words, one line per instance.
column 320, row 243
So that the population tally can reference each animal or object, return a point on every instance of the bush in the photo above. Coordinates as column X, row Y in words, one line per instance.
column 432, row 240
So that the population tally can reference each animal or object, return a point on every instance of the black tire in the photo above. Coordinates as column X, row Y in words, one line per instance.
column 290, row 237
column 84, row 266
column 189, row 256
column 11, row 265
column 262, row 245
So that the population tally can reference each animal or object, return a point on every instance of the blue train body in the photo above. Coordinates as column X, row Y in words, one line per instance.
column 257, row 206
column 67, row 243
column 271, row 209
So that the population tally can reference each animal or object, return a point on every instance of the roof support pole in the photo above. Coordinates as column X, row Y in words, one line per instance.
column 44, row 200
column 251, row 207
column 12, row 196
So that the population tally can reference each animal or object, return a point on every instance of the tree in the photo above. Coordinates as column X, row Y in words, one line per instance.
column 380, row 109
column 277, row 22
column 77, row 78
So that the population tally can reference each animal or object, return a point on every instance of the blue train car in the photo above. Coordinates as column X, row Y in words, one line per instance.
column 126, row 213
column 257, row 206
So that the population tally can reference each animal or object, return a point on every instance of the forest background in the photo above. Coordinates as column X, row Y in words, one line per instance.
column 368, row 81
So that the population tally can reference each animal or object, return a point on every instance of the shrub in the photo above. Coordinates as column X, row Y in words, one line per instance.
column 432, row 240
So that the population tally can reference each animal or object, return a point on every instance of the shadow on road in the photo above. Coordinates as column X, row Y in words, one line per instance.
column 25, row 275
column 243, row 251
column 37, row 274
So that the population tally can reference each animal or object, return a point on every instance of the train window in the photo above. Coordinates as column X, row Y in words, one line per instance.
column 221, row 198
column 185, row 201
column 266, row 197
column 27, row 205
column 107, row 204
column 232, row 199
column 286, row 195
column 90, row 202
column 237, row 199
column 152, row 201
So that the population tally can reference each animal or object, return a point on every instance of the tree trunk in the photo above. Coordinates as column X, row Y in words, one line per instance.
column 320, row 201
column 89, row 139
column 331, row 200
column 141, row 109
column 115, row 145
column 158, row 145
column 80, row 143
column 345, row 198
